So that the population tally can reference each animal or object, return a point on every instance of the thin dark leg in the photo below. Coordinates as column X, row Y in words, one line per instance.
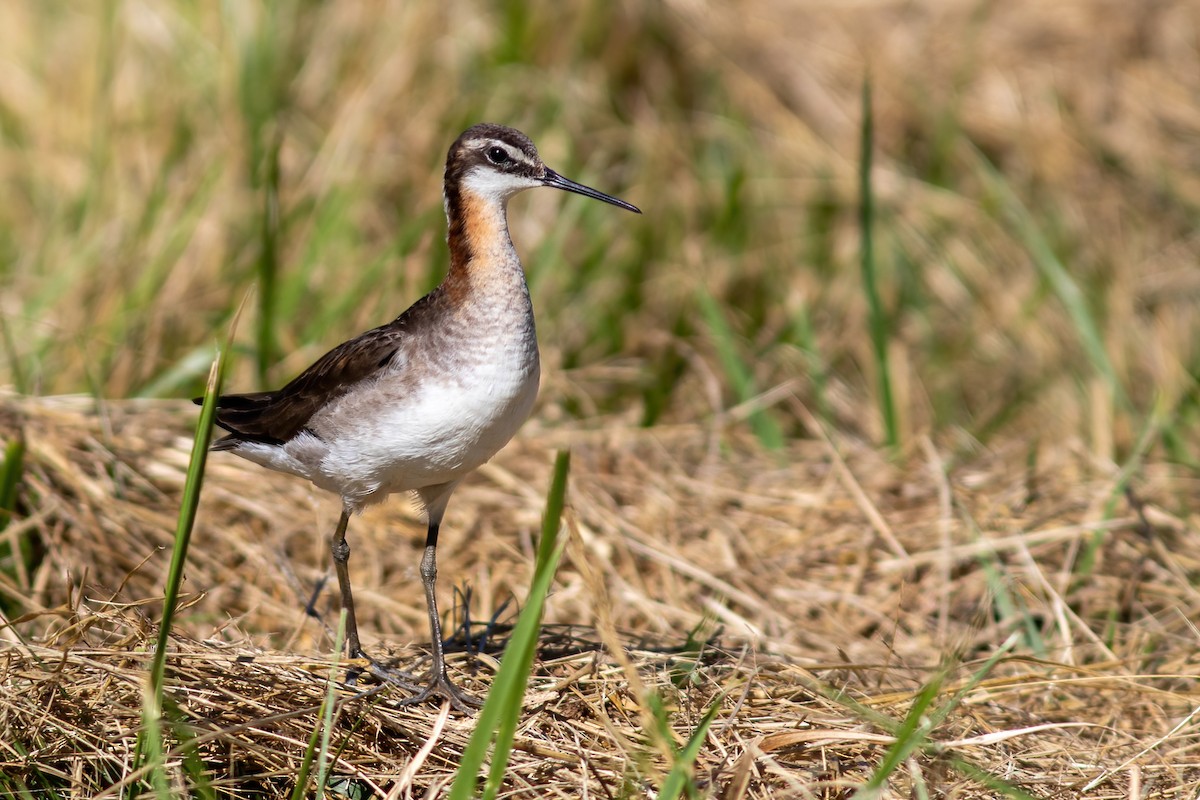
column 439, row 680
column 311, row 607
column 341, row 557
column 429, row 581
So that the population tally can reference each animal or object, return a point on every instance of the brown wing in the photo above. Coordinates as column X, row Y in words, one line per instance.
column 275, row 417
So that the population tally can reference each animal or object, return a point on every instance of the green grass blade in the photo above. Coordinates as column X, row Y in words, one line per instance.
column 1056, row 275
column 680, row 776
column 817, row 371
column 1010, row 605
column 502, row 710
column 184, row 372
column 878, row 318
column 981, row 776
column 150, row 744
column 320, row 733
column 15, row 787
column 299, row 791
column 268, row 267
column 187, row 515
column 1150, row 434
column 911, row 735
column 943, row 712
column 16, row 557
column 327, row 711
column 734, row 365
column 936, row 717
column 190, row 502
column 194, row 770
column 10, row 477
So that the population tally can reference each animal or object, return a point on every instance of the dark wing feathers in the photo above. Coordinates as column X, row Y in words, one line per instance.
column 274, row 417
column 241, row 402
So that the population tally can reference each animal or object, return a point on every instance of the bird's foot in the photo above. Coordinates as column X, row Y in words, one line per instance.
column 439, row 685
column 436, row 685
column 366, row 664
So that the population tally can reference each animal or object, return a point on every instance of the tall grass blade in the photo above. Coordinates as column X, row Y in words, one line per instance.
column 190, row 502
column 501, row 711
column 300, row 789
column 150, row 743
column 326, row 726
column 266, row 348
column 818, row 372
column 268, row 62
column 318, row 741
column 172, row 379
column 936, row 718
column 1056, row 275
column 739, row 375
column 1011, row 607
column 878, row 319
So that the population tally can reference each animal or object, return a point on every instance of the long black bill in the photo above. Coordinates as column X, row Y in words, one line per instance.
column 552, row 178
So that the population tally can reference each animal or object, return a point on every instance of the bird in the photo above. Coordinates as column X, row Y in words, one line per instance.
column 417, row 404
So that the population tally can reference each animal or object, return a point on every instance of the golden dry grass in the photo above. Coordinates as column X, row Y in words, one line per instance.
column 823, row 573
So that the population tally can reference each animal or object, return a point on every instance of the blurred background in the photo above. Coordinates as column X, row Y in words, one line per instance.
column 1018, row 262
column 910, row 322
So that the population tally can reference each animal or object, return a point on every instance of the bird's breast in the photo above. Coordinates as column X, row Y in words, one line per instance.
column 440, row 412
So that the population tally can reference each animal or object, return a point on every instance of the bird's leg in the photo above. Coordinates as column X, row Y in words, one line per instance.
column 429, row 581
column 341, row 557
column 439, row 681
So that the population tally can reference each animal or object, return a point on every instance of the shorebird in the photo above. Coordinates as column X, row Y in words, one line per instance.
column 419, row 403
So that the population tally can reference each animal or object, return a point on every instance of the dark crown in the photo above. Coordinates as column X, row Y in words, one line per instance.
column 494, row 146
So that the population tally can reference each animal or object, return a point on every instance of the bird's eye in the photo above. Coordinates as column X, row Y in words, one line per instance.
column 497, row 155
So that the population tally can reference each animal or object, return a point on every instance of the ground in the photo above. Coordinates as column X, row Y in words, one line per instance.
column 815, row 595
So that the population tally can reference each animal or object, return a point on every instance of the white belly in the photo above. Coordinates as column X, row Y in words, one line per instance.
column 449, row 431
column 403, row 435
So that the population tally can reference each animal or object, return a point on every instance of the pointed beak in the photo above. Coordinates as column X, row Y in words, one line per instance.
column 552, row 178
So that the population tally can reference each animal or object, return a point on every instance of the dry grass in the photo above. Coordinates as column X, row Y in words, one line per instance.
column 802, row 586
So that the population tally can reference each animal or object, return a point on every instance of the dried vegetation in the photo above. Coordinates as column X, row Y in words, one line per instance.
column 824, row 586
